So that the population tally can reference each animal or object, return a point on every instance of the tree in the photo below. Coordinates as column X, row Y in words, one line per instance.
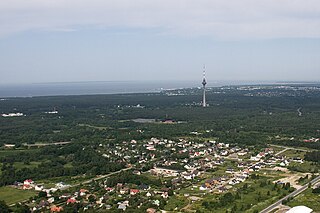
column 316, row 190
column 92, row 198
column 259, row 196
column 275, row 185
column 22, row 209
column 170, row 192
column 226, row 199
column 4, row 208
column 234, row 208
column 286, row 186
column 237, row 196
column 245, row 186
column 42, row 194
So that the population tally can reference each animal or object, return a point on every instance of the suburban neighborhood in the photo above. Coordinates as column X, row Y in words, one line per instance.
column 160, row 170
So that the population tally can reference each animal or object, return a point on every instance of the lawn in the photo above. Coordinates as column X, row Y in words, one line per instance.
column 11, row 195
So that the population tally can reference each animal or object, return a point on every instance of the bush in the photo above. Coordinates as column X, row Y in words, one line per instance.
column 316, row 190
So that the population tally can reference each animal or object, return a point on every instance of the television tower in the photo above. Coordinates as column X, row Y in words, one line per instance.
column 204, row 82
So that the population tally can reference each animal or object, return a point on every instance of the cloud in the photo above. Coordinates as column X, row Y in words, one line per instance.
column 231, row 19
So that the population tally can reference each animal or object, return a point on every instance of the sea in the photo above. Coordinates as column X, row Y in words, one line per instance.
column 101, row 87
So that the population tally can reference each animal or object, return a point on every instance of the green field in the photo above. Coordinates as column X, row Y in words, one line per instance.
column 68, row 165
column 256, row 196
column 294, row 153
column 12, row 195
column 307, row 199
column 20, row 165
column 176, row 202
column 8, row 152
column 303, row 167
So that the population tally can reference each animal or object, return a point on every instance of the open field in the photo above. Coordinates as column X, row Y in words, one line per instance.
column 20, row 165
column 176, row 202
column 307, row 199
column 11, row 195
column 294, row 153
column 244, row 196
column 72, row 180
column 8, row 152
column 293, row 178
column 305, row 167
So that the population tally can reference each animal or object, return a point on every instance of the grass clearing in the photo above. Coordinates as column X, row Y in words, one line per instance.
column 11, row 195
column 20, row 165
column 294, row 153
column 32, row 164
column 305, row 167
column 68, row 165
column 176, row 202
column 7, row 152
column 72, row 180
column 253, row 195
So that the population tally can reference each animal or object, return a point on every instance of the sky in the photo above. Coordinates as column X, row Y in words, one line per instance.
column 166, row 40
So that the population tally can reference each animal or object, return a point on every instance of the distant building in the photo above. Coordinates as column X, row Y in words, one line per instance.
column 9, row 145
column 169, row 121
column 18, row 114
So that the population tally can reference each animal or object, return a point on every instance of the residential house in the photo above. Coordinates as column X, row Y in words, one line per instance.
column 134, row 191
column 55, row 208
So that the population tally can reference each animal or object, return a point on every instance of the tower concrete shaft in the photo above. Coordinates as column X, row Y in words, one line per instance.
column 204, row 82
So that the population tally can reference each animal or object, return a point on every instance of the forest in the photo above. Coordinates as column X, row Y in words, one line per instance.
column 242, row 117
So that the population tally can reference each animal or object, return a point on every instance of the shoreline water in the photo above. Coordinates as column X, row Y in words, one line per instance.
column 113, row 87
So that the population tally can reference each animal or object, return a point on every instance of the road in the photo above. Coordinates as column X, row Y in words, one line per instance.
column 299, row 111
column 293, row 148
column 46, row 144
column 282, row 151
column 98, row 178
column 293, row 194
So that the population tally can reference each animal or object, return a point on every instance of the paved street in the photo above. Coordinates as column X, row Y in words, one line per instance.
column 293, row 148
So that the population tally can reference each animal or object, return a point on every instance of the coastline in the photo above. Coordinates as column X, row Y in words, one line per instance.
column 117, row 87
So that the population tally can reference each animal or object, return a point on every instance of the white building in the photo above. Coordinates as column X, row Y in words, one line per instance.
column 300, row 209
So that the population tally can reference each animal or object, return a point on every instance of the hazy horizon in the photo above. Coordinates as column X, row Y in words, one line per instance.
column 116, row 87
column 196, row 82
